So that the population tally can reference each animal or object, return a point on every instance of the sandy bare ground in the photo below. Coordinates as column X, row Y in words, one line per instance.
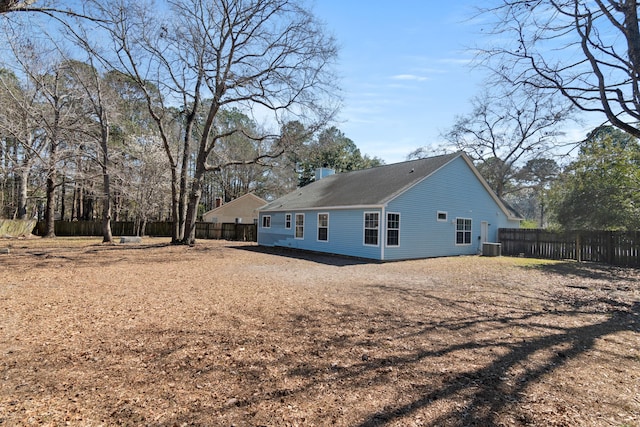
column 229, row 334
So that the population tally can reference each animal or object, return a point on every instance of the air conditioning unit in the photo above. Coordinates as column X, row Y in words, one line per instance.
column 491, row 249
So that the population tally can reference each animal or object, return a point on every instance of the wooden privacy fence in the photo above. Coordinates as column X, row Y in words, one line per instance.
column 227, row 231
column 620, row 248
column 204, row 230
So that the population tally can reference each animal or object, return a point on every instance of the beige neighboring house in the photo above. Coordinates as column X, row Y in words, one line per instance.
column 243, row 210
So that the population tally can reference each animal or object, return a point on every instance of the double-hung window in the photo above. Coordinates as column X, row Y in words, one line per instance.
column 299, row 226
column 371, row 226
column 287, row 221
column 463, row 231
column 266, row 221
column 323, row 227
column 393, row 229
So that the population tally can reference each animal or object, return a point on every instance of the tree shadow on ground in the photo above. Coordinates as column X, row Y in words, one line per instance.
column 348, row 349
column 317, row 257
column 479, row 354
column 492, row 390
column 388, row 343
column 96, row 254
column 589, row 270
column 322, row 366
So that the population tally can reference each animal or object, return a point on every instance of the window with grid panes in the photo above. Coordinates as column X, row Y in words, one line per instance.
column 371, row 226
column 393, row 229
column 463, row 231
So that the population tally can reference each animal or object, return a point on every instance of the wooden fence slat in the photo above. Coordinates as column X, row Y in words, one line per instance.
column 204, row 230
column 612, row 247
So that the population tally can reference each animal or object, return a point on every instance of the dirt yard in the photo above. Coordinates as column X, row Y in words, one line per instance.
column 230, row 334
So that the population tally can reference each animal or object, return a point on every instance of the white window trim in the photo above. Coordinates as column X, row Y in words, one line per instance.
column 290, row 221
column 364, row 229
column 295, row 229
column 318, row 227
column 464, row 231
column 446, row 216
column 386, row 237
column 264, row 217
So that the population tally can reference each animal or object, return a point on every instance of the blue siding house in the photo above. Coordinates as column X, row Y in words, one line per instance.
column 438, row 206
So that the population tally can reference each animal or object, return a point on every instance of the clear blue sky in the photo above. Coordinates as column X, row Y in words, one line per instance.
column 404, row 69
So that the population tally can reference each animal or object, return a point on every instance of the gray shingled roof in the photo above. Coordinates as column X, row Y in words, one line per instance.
column 367, row 187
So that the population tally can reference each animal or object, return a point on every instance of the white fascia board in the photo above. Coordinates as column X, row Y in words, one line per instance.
column 327, row 208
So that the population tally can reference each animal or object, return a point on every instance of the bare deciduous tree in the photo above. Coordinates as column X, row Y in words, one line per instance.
column 99, row 107
column 265, row 57
column 50, row 113
column 147, row 179
column 61, row 113
column 51, row 8
column 21, row 134
column 507, row 129
column 589, row 51
column 7, row 6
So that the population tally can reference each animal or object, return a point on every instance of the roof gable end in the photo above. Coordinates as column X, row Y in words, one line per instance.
column 249, row 197
column 367, row 187
column 375, row 186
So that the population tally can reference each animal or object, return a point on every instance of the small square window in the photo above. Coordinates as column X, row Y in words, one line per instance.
column 442, row 216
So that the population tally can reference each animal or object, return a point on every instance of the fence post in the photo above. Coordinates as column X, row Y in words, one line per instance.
column 610, row 249
column 578, row 247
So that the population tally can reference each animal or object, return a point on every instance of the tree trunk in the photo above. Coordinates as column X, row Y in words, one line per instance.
column 117, row 206
column 196, row 190
column 49, row 213
column 192, row 208
column 106, row 211
column 76, row 213
column 175, row 212
column 87, row 205
column 22, row 178
column 63, row 194
column 143, row 227
column 106, row 182
column 184, row 178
